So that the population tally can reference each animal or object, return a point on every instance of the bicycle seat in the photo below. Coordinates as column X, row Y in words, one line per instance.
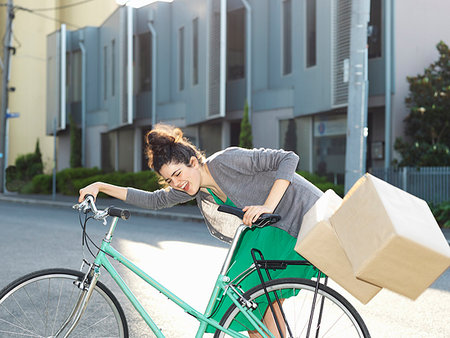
column 264, row 219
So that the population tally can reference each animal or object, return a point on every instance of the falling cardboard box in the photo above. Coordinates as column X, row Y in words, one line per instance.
column 391, row 237
column 318, row 243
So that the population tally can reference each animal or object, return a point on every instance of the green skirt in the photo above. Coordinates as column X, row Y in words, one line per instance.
column 275, row 244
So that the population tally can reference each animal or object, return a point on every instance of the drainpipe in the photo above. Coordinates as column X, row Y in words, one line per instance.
column 223, row 57
column 130, row 64
column 388, row 81
column 62, row 85
column 154, row 54
column 83, row 99
column 248, row 58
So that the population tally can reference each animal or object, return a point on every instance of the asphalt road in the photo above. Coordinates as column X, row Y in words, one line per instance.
column 186, row 259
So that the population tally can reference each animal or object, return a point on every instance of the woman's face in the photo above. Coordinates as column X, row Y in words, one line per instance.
column 182, row 177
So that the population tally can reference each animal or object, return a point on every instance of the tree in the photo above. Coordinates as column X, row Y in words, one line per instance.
column 245, row 137
column 427, row 127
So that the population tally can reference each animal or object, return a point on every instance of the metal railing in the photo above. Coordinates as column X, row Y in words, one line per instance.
column 429, row 183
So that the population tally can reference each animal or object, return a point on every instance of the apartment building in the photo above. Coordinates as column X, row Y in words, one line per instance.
column 287, row 58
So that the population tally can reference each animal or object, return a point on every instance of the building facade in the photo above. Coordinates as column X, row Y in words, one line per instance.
column 287, row 58
column 33, row 21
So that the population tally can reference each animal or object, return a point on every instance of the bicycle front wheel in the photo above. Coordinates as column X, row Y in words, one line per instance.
column 333, row 315
column 38, row 305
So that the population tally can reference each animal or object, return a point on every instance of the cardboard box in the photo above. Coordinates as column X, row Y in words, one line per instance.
column 318, row 243
column 391, row 237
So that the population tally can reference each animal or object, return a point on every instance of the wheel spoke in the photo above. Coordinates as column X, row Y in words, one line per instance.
column 31, row 334
column 333, row 316
column 39, row 304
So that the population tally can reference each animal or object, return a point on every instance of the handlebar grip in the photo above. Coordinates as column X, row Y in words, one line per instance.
column 231, row 210
column 117, row 212
column 264, row 219
column 89, row 195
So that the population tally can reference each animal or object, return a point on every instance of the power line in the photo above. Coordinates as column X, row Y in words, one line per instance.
column 48, row 17
column 61, row 7
column 32, row 11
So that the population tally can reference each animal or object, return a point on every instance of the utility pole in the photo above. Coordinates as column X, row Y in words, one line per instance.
column 357, row 132
column 7, row 47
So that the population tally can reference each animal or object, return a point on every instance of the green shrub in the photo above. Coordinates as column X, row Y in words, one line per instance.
column 26, row 167
column 442, row 214
column 42, row 184
column 27, row 188
column 65, row 178
column 322, row 183
column 145, row 180
column 29, row 165
column 13, row 183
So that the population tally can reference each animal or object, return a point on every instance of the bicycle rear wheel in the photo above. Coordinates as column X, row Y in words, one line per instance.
column 338, row 317
column 38, row 304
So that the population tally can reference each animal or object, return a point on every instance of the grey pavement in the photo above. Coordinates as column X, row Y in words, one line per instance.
column 178, row 212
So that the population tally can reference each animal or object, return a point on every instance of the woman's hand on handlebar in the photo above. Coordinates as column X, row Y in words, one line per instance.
column 253, row 212
column 108, row 189
column 92, row 189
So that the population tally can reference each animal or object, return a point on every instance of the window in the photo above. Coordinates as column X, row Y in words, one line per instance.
column 236, row 44
column 374, row 39
column 113, row 66
column 311, row 35
column 105, row 72
column 181, row 58
column 330, row 133
column 287, row 37
column 145, row 62
column 195, row 51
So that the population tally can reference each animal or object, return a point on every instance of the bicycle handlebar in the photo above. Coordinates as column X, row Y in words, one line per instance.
column 263, row 220
column 89, row 205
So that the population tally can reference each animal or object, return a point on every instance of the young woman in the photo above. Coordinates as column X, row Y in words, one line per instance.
column 258, row 181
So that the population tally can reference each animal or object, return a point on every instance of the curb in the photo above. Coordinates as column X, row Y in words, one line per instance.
column 140, row 212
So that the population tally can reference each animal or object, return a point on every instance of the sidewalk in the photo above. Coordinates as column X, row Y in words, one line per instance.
column 179, row 212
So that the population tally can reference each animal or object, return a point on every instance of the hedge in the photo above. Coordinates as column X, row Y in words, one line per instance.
column 322, row 183
column 145, row 180
column 70, row 181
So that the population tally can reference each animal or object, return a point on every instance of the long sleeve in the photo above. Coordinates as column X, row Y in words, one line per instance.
column 159, row 199
column 249, row 162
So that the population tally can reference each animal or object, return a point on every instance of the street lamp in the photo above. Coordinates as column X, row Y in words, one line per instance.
column 138, row 3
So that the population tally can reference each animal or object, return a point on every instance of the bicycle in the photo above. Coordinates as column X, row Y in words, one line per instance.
column 63, row 302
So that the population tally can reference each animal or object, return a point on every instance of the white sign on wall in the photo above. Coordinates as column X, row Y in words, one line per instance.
column 330, row 125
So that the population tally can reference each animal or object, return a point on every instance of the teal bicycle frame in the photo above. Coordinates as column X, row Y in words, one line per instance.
column 222, row 283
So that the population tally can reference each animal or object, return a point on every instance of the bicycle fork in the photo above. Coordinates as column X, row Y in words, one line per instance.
column 87, row 286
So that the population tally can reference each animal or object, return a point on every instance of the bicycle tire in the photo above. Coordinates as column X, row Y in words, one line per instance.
column 38, row 304
column 338, row 319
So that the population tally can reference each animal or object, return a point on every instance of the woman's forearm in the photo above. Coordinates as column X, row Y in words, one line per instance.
column 108, row 189
column 276, row 193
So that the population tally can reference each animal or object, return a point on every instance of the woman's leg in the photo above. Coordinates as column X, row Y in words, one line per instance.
column 270, row 323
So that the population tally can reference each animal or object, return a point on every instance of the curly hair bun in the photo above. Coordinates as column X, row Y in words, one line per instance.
column 165, row 144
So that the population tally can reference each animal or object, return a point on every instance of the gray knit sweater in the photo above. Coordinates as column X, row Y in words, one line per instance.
column 246, row 177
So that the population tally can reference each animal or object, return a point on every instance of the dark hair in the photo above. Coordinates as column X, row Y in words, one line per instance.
column 166, row 144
